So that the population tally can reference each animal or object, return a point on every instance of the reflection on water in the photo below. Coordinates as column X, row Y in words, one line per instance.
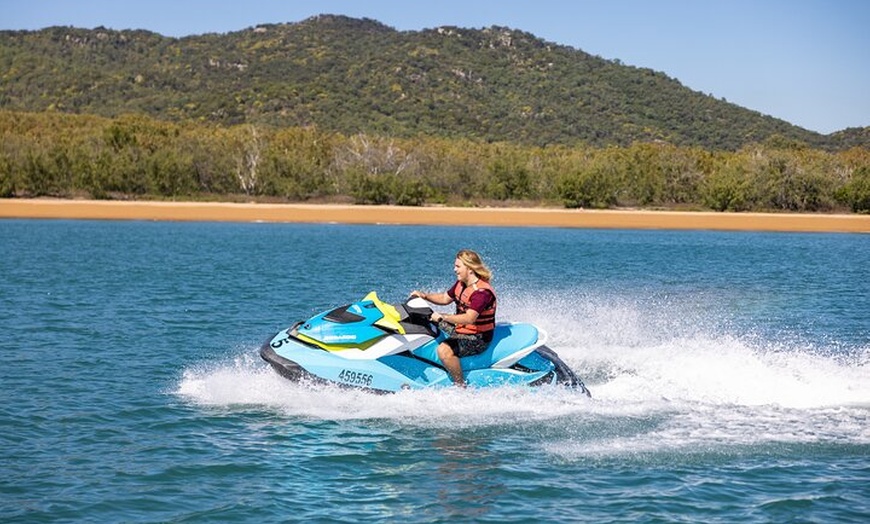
column 464, row 485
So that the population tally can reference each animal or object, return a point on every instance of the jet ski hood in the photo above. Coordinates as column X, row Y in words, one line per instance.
column 364, row 323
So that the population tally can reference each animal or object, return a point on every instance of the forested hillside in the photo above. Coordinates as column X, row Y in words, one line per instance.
column 359, row 76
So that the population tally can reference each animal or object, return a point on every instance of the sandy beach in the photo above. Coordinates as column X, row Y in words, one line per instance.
column 490, row 216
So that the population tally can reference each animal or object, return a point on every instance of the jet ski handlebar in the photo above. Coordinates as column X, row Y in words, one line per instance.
column 417, row 311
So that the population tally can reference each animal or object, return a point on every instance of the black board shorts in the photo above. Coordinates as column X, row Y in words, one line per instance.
column 464, row 345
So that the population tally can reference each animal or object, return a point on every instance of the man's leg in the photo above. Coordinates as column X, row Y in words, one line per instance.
column 451, row 362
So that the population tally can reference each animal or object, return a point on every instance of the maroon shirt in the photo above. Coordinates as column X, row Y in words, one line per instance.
column 479, row 300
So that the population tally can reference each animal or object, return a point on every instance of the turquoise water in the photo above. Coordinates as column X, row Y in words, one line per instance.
column 729, row 374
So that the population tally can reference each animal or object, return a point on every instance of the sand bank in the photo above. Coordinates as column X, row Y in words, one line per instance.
column 350, row 214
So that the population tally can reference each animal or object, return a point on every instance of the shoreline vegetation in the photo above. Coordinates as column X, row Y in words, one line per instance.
column 429, row 215
column 135, row 157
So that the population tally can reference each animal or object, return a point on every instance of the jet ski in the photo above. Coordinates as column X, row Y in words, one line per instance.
column 374, row 345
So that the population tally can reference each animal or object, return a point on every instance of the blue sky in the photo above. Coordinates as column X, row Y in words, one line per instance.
column 804, row 61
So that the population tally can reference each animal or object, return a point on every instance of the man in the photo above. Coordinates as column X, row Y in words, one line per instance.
column 470, row 329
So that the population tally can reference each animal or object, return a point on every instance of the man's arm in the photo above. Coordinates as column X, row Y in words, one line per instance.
column 442, row 299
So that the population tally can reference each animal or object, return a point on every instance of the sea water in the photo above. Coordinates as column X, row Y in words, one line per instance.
column 729, row 376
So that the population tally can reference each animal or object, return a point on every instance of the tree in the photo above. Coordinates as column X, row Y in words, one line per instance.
column 248, row 161
column 591, row 185
column 856, row 193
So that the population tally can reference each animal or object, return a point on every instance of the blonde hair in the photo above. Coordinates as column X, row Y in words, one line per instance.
column 473, row 261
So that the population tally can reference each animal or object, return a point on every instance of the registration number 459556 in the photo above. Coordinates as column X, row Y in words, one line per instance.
column 355, row 378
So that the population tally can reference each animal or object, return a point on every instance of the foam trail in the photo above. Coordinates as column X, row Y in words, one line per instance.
column 246, row 382
column 634, row 352
column 665, row 377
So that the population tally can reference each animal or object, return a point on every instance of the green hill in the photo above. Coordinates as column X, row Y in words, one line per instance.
column 351, row 75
